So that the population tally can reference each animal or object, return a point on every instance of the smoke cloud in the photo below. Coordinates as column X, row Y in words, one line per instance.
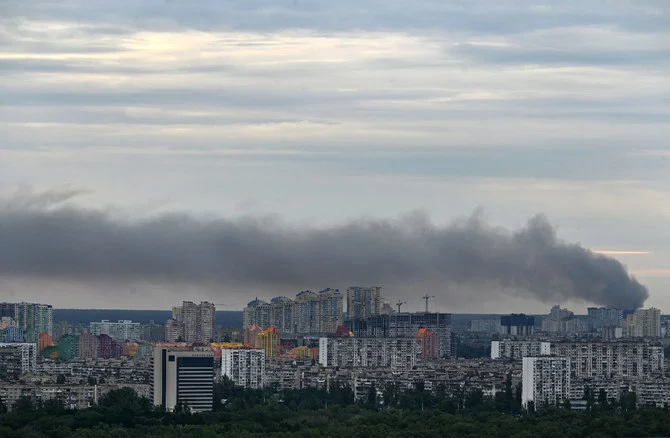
column 43, row 238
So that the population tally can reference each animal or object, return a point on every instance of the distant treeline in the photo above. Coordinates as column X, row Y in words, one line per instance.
column 224, row 318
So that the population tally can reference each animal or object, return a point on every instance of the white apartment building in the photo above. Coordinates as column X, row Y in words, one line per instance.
column 516, row 350
column 245, row 367
column 198, row 321
column 610, row 359
column 392, row 353
column 17, row 359
column 545, row 380
column 123, row 330
column 644, row 323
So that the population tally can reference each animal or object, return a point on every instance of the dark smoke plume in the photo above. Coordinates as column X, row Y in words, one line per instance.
column 40, row 237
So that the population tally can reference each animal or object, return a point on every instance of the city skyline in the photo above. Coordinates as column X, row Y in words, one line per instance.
column 307, row 117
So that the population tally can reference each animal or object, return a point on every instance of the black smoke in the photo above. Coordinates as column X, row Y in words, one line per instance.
column 43, row 237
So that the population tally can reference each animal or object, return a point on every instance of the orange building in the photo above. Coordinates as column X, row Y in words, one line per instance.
column 45, row 340
column 430, row 344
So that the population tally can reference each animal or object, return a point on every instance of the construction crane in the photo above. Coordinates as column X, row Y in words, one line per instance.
column 400, row 303
column 427, row 297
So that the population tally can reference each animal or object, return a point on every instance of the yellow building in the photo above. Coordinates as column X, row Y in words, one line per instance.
column 268, row 340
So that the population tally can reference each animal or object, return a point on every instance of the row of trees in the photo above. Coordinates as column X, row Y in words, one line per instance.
column 315, row 412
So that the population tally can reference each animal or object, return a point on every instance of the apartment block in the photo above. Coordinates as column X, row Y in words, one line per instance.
column 309, row 313
column 364, row 302
column 518, row 349
column 545, row 381
column 393, row 353
column 245, row 367
column 123, row 330
column 17, row 359
column 610, row 359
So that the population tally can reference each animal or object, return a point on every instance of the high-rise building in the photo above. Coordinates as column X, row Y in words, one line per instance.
column 603, row 317
column 364, row 302
column 184, row 377
column 281, row 314
column 644, row 323
column 244, row 367
column 430, row 344
column 206, row 322
column 608, row 359
column 45, row 340
column 350, row 352
column 257, row 313
column 17, row 359
column 198, row 321
column 309, row 313
column 331, row 304
column 545, row 381
column 268, row 341
column 88, row 346
column 174, row 330
column 518, row 349
column 517, row 324
column 31, row 318
column 406, row 324
column 562, row 321
column 123, row 330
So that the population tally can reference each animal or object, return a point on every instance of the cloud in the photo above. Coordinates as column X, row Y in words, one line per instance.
column 43, row 239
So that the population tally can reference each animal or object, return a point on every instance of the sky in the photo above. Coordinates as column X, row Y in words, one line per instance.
column 318, row 114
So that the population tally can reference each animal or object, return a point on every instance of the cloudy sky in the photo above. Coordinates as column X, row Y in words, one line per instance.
column 323, row 112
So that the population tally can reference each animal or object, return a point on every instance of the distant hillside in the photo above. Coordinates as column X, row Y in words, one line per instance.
column 224, row 318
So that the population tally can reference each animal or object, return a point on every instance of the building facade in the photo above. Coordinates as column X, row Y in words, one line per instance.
column 393, row 353
column 17, row 359
column 364, row 302
column 244, row 367
column 184, row 377
column 122, row 330
column 197, row 322
column 406, row 325
column 545, row 381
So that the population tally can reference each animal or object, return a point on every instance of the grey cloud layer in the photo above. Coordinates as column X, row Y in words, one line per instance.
column 38, row 240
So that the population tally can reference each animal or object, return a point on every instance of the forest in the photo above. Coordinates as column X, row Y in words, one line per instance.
column 316, row 413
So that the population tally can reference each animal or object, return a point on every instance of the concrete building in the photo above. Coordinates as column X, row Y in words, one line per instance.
column 88, row 346
column 602, row 317
column 562, row 321
column 364, row 302
column 309, row 313
column 644, row 323
column 122, row 330
column 545, row 381
column 518, row 349
column 174, row 330
column 517, row 324
column 393, row 353
column 258, row 313
column 17, row 359
column 429, row 343
column 405, row 325
column 183, row 377
column 610, row 359
column 198, row 322
column 245, row 367
column 31, row 318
